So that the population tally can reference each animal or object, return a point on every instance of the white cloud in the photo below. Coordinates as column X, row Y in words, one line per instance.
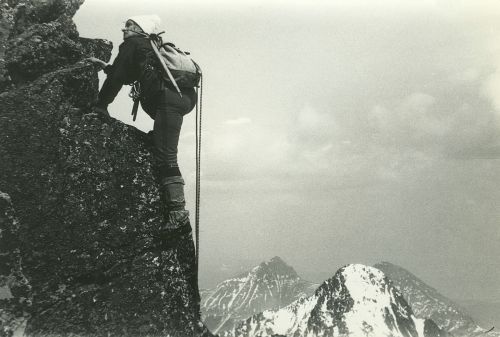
column 440, row 127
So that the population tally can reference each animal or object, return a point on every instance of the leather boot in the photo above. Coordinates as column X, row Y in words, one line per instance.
column 176, row 216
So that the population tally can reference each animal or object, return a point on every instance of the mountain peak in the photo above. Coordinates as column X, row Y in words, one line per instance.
column 361, row 271
column 358, row 283
column 389, row 266
column 275, row 266
column 387, row 263
column 270, row 285
column 358, row 300
column 277, row 259
column 359, row 279
column 356, row 277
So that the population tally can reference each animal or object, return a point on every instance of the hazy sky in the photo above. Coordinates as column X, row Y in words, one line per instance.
column 339, row 132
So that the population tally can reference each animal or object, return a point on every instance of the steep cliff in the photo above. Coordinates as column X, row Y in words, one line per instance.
column 81, row 246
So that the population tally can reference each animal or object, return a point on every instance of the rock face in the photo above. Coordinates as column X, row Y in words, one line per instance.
column 270, row 285
column 37, row 37
column 81, row 248
column 358, row 301
column 426, row 301
column 19, row 301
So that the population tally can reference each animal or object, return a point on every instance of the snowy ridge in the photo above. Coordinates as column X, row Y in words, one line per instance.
column 379, row 303
column 357, row 301
column 426, row 301
column 286, row 321
column 270, row 285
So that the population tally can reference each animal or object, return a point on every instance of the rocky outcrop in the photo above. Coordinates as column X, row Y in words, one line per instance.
column 37, row 37
column 84, row 254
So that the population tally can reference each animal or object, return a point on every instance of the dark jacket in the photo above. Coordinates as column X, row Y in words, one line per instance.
column 136, row 61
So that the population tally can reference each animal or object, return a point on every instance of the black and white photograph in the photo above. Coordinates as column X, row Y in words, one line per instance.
column 249, row 168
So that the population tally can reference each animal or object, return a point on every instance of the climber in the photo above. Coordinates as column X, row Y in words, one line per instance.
column 136, row 61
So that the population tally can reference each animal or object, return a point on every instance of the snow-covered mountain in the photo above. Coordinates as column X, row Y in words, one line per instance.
column 357, row 301
column 270, row 285
column 427, row 302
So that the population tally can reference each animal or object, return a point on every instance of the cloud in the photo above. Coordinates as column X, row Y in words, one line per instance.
column 441, row 126
column 384, row 106
column 409, row 122
column 392, row 141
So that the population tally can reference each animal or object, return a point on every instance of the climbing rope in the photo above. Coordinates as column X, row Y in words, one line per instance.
column 198, row 171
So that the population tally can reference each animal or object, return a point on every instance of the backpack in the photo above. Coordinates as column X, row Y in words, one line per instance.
column 185, row 71
column 178, row 69
column 175, row 62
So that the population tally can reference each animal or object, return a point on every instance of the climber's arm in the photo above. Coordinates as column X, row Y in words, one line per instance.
column 108, row 92
column 97, row 61
column 118, row 74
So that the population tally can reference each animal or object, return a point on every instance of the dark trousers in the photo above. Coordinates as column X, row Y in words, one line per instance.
column 168, row 109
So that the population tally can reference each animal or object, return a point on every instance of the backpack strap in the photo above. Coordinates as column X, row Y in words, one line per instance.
column 154, row 39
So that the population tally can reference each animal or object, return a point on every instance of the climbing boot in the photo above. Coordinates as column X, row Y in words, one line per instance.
column 175, row 215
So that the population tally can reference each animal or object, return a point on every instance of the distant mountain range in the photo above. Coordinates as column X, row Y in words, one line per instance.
column 357, row 301
column 270, row 285
column 272, row 300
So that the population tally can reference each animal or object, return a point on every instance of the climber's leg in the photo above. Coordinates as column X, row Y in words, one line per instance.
column 168, row 122
column 170, row 109
column 167, row 126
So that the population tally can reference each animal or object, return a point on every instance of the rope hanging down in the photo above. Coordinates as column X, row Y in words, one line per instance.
column 198, row 172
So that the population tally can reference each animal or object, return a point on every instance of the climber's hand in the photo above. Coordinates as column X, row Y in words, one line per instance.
column 96, row 61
